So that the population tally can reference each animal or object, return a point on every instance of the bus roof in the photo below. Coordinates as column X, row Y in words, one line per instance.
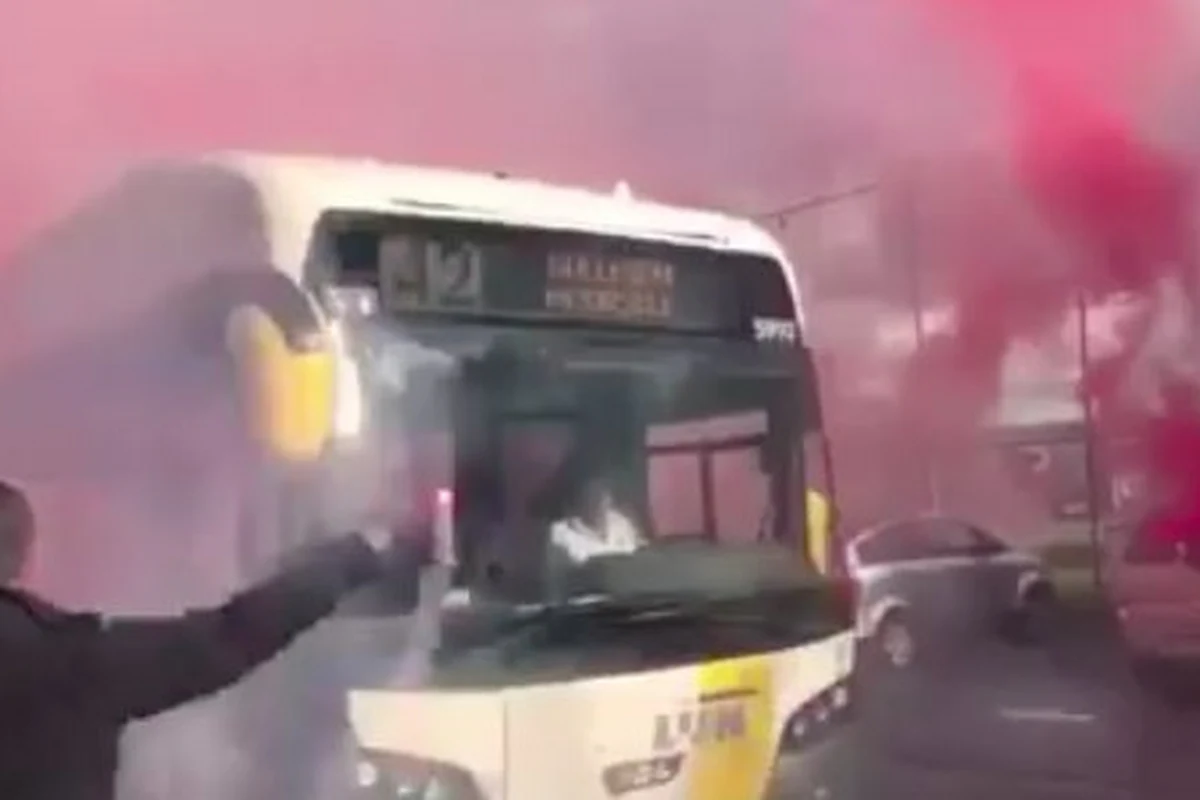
column 299, row 188
column 368, row 185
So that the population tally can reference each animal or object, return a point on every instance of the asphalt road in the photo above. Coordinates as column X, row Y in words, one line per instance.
column 1060, row 721
column 1052, row 722
column 1170, row 742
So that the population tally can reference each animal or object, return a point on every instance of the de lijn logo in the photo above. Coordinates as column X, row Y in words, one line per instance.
column 714, row 719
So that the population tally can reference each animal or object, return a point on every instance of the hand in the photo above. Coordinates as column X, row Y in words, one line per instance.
column 396, row 590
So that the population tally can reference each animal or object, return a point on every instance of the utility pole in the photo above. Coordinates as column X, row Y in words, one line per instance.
column 1089, row 441
column 910, row 254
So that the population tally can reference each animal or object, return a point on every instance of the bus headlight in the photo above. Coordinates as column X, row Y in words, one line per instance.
column 819, row 718
column 396, row 776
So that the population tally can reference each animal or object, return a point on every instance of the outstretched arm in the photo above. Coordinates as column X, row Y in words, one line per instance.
column 129, row 668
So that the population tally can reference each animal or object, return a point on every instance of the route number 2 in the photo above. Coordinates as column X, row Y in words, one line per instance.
column 416, row 273
column 453, row 275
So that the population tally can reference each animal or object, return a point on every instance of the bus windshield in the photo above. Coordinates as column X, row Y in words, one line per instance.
column 581, row 468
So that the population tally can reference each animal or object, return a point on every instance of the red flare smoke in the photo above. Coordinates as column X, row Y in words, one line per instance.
column 1117, row 204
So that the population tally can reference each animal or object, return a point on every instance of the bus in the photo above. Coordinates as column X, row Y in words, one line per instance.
column 602, row 404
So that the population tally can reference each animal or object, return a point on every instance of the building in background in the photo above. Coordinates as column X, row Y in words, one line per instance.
column 1022, row 460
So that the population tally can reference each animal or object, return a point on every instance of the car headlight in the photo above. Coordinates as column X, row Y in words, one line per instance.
column 398, row 776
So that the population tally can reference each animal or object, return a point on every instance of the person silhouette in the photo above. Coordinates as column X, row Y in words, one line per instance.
column 71, row 681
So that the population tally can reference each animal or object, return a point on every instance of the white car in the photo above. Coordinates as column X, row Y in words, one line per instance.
column 929, row 580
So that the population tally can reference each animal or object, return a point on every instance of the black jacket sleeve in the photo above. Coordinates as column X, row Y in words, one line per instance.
column 129, row 668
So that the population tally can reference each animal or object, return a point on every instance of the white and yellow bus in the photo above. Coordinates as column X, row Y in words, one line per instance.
column 433, row 346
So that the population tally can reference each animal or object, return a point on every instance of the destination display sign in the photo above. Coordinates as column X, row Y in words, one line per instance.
column 621, row 288
column 501, row 272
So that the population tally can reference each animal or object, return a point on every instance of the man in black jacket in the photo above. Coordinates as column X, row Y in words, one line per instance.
column 69, row 682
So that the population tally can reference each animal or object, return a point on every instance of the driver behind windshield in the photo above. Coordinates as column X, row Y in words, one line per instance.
column 593, row 525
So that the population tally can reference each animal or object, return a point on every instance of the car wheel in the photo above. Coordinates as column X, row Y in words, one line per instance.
column 1036, row 614
column 1153, row 677
column 894, row 644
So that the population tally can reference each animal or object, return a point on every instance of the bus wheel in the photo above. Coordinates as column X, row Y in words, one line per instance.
column 895, row 644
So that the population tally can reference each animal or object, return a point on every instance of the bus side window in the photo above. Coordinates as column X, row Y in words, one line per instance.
column 676, row 494
column 706, row 477
column 742, row 498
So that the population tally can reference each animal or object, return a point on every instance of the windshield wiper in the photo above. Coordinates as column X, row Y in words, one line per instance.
column 603, row 607
column 765, row 606
column 516, row 623
column 677, row 628
column 751, row 607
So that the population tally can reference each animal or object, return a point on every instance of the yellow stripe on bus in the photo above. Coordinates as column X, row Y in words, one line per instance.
column 736, row 767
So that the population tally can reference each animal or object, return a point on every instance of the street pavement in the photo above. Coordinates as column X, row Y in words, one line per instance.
column 1057, row 721
column 1061, row 721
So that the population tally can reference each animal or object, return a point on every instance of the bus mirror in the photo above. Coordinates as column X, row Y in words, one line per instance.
column 289, row 390
column 280, row 348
